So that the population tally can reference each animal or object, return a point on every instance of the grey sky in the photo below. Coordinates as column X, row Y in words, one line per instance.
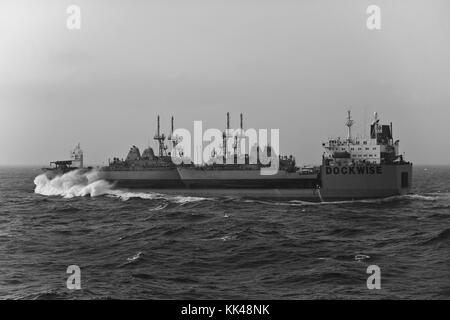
column 293, row 65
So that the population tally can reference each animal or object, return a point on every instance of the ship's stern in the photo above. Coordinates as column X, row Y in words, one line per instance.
column 365, row 181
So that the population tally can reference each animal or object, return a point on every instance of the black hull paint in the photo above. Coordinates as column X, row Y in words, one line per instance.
column 150, row 184
column 253, row 184
column 218, row 184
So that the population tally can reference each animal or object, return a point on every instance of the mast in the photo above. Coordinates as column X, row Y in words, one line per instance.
column 171, row 137
column 225, row 137
column 349, row 123
column 240, row 136
column 160, row 138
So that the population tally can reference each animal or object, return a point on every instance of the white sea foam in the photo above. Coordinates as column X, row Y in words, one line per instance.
column 135, row 257
column 360, row 257
column 72, row 184
column 79, row 184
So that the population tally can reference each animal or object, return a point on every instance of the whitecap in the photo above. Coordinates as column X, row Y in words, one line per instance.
column 360, row 257
column 135, row 257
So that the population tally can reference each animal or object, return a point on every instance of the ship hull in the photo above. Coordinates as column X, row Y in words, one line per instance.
column 151, row 178
column 245, row 179
column 365, row 182
column 333, row 183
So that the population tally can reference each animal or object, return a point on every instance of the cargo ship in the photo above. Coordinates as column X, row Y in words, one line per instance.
column 352, row 168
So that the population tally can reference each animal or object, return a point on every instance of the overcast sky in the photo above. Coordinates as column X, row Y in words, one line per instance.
column 293, row 65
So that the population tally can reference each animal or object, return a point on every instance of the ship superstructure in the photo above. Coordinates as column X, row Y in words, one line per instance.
column 145, row 170
column 62, row 166
column 379, row 148
column 364, row 168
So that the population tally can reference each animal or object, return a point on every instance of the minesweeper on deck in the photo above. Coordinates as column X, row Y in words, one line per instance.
column 352, row 168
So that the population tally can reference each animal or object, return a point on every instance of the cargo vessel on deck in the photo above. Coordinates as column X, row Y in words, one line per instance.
column 63, row 166
column 145, row 170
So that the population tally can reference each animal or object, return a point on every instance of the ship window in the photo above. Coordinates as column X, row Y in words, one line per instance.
column 374, row 148
column 367, row 148
column 353, row 148
column 365, row 142
column 359, row 148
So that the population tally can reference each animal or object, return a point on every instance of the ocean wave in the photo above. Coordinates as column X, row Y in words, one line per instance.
column 443, row 236
column 160, row 207
column 302, row 203
column 439, row 195
column 78, row 183
column 127, row 195
column 134, row 258
column 377, row 200
column 361, row 257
